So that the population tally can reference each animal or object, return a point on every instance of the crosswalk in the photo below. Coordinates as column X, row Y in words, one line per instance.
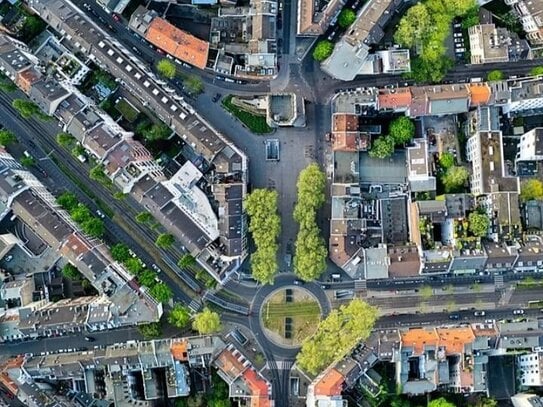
column 498, row 281
column 195, row 305
column 360, row 285
column 279, row 365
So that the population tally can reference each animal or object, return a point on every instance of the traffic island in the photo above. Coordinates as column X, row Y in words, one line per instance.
column 290, row 315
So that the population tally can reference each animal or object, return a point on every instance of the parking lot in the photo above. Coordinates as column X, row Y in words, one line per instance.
column 460, row 42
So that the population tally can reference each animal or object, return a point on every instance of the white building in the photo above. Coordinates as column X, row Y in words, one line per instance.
column 530, row 147
column 530, row 369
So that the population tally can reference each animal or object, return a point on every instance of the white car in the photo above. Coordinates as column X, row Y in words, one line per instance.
column 100, row 214
column 518, row 312
column 156, row 268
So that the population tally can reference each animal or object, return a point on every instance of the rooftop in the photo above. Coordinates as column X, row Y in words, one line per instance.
column 331, row 384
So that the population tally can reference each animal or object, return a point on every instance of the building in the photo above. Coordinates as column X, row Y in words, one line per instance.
column 314, row 19
column 530, row 147
column 530, row 369
column 351, row 53
column 177, row 43
column 285, row 110
column 530, row 16
column 17, row 293
column 491, row 44
column 48, row 94
column 527, row 400
column 419, row 168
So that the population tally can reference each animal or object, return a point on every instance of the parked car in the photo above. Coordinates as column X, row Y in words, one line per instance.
column 298, row 282
column 518, row 312
column 100, row 214
column 479, row 313
column 216, row 98
column 454, row 317
column 89, row 339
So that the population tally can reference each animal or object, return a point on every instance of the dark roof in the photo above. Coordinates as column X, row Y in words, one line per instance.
column 184, row 228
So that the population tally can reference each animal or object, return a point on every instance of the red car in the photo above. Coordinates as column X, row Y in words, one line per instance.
column 116, row 17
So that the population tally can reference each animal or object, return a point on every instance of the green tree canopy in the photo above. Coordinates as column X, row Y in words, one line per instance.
column 133, row 265
column 153, row 132
column 486, row 402
column 67, row 200
column 265, row 227
column 531, row 189
column 415, row 26
column 149, row 331
column 147, row 278
column 97, row 173
column 383, row 147
column 27, row 161
column 26, row 108
column 402, row 130
column 144, row 217
column 446, row 160
column 165, row 240
column 207, row 322
column 65, row 139
column 310, row 252
column 120, row 252
column 7, row 137
column 179, row 316
column 80, row 213
column 323, row 50
column 440, row 402
column 336, row 335
column 194, row 84
column 166, row 68
column 161, row 292
column 93, row 227
column 186, row 261
column 495, row 75
column 536, row 71
column 346, row 17
column 71, row 272
column 479, row 223
column 455, row 178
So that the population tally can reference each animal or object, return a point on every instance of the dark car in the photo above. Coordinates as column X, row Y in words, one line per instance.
column 454, row 317
column 216, row 97
column 89, row 339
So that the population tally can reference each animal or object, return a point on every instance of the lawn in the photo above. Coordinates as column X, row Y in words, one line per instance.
column 127, row 111
column 255, row 123
column 304, row 314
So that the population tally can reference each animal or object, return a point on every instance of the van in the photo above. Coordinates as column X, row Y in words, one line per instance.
column 27, row 154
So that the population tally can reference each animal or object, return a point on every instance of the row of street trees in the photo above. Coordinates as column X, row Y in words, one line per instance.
column 336, row 335
column 425, row 26
column 265, row 227
column 81, row 215
column 310, row 253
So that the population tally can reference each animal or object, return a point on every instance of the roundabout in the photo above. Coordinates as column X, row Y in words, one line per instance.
column 289, row 315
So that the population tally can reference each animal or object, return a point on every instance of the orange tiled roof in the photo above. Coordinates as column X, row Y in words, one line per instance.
column 480, row 94
column 344, row 122
column 259, row 389
column 418, row 338
column 178, row 43
column 455, row 339
column 8, row 383
column 388, row 100
column 179, row 350
column 344, row 141
column 229, row 364
column 330, row 385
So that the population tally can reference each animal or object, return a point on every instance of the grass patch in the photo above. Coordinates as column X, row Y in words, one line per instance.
column 535, row 304
column 255, row 123
column 127, row 110
column 304, row 315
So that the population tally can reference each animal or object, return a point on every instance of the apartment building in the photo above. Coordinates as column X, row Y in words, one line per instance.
column 491, row 44
column 530, row 16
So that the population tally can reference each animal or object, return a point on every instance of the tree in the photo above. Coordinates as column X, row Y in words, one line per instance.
column 147, row 278
column 97, row 173
column 7, row 137
column 414, row 27
column 471, row 18
column 26, row 108
column 383, row 147
column 194, row 84
column 32, row 26
column 153, row 132
column 71, row 272
column 161, row 292
column 120, row 252
column 133, row 265
column 536, row 71
column 446, row 160
column 179, row 316
column 27, row 161
column 323, row 50
column 531, row 189
column 336, row 335
column 346, row 17
column 93, row 227
column 166, row 68
column 67, row 200
column 311, row 184
column 206, row 322
column 119, row 196
column 402, row 130
column 144, row 217
column 478, row 224
column 310, row 254
column 80, row 213
column 165, row 240
column 495, row 75
column 455, row 178
column 440, row 402
column 265, row 227
column 65, row 139
column 486, row 402
column 186, row 261
column 149, row 331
